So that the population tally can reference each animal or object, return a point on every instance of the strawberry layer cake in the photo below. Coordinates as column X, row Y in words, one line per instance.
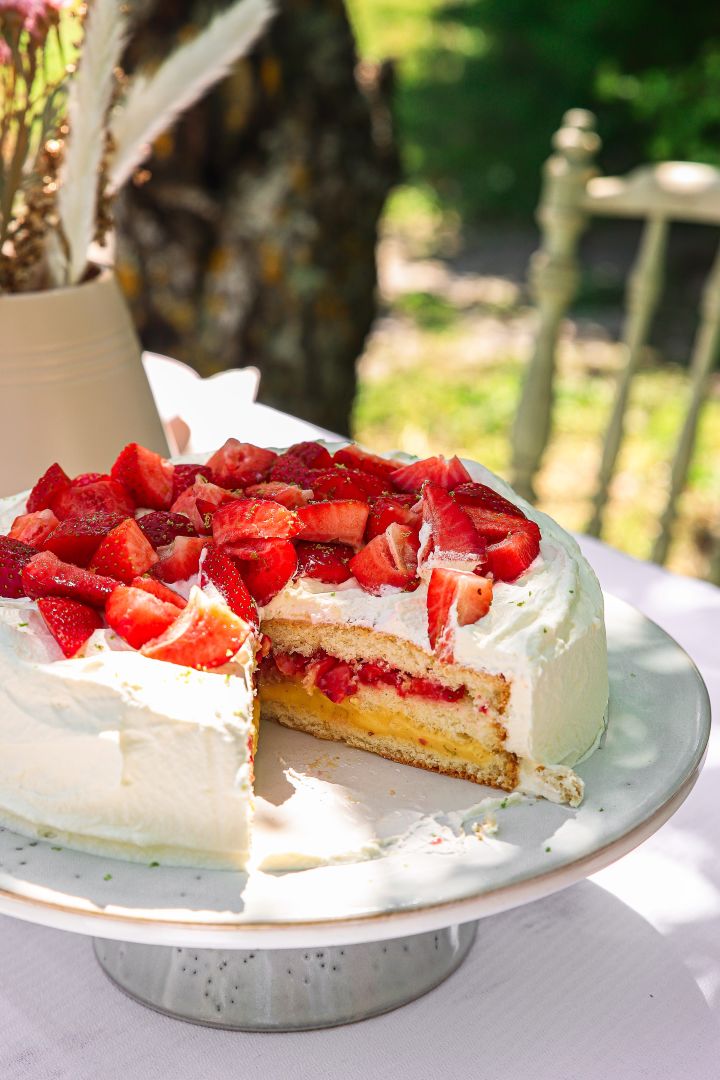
column 415, row 609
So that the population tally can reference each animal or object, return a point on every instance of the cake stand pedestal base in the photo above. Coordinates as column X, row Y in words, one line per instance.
column 285, row 989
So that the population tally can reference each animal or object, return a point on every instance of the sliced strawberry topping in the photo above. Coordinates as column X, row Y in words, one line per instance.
column 455, row 598
column 46, row 575
column 219, row 569
column 266, row 566
column 324, row 562
column 147, row 476
column 206, row 634
column 156, row 588
column 289, row 495
column 437, row 470
column 355, row 458
column 481, row 495
column 124, row 553
column 513, row 542
column 388, row 560
column 138, row 616
column 70, row 622
column 14, row 555
column 75, row 540
column 343, row 520
column 99, row 497
column 254, row 519
column 387, row 509
column 455, row 542
column 51, row 484
column 337, row 484
column 337, row 680
column 161, row 527
column 209, row 494
column 184, row 476
column 181, row 560
column 89, row 478
column 238, row 464
column 33, row 529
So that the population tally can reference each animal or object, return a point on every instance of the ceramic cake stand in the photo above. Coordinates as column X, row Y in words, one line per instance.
column 269, row 950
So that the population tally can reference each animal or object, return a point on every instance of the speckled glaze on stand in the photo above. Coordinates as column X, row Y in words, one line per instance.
column 285, row 989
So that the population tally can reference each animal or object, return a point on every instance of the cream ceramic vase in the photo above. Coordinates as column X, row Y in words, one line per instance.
column 72, row 385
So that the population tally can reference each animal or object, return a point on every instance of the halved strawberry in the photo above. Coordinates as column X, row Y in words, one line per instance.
column 14, row 555
column 337, row 484
column 75, row 540
column 454, row 542
column 437, row 470
column 99, row 497
column 455, row 598
column 254, row 519
column 206, row 634
column 219, row 569
column 311, row 454
column 147, row 476
column 180, row 560
column 200, row 491
column 33, row 528
column 343, row 520
column 46, row 575
column 89, row 478
column 238, row 464
column 355, row 458
column 337, row 680
column 70, row 622
column 481, row 495
column 389, row 508
column 266, row 566
column 124, row 553
column 389, row 560
column 161, row 527
column 156, row 588
column 138, row 616
column 513, row 542
column 324, row 562
column 184, row 476
column 289, row 495
column 53, row 482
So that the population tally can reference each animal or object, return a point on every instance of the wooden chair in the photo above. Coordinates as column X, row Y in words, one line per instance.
column 572, row 194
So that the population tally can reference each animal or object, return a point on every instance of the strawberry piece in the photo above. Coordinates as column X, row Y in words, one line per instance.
column 288, row 495
column 437, row 470
column 290, row 664
column 388, row 560
column 343, row 520
column 377, row 671
column 138, row 616
column 14, row 555
column 124, row 553
column 254, row 519
column 218, row 569
column 337, row 484
column 311, row 454
column 70, row 622
column 337, row 680
column 291, row 470
column 184, row 476
column 513, row 542
column 75, row 540
column 181, row 560
column 355, row 458
column 481, row 495
column 206, row 634
column 209, row 494
column 324, row 562
column 89, row 478
column 46, row 575
column 238, row 464
column 266, row 566
column 455, row 598
column 156, row 588
column 147, row 476
column 369, row 484
column 455, row 542
column 161, row 527
column 51, row 484
column 386, row 509
column 428, row 688
column 33, row 529
column 100, row 497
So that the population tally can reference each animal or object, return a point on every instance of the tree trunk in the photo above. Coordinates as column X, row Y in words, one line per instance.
column 253, row 239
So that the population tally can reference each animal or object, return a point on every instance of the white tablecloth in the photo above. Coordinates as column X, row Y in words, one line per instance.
column 617, row 978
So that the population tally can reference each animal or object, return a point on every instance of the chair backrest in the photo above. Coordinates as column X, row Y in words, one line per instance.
column 572, row 194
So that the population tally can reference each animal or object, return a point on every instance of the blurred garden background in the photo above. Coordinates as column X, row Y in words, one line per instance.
column 441, row 179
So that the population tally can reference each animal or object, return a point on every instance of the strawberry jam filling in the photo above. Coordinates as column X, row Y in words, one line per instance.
column 338, row 679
